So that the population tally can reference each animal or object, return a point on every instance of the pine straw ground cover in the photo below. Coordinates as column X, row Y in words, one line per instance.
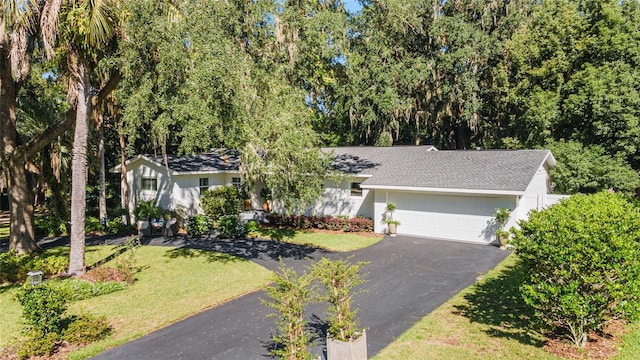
column 489, row 320
column 170, row 286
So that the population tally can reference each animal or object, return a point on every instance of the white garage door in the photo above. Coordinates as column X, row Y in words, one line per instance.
column 452, row 217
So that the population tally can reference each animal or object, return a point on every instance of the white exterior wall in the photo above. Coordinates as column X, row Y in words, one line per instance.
column 177, row 191
column 534, row 198
column 337, row 200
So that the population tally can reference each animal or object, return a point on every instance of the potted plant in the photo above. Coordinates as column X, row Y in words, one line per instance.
column 265, row 194
column 339, row 278
column 245, row 194
column 392, row 224
column 501, row 217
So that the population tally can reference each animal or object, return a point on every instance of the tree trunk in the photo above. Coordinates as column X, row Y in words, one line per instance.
column 22, row 235
column 79, row 170
column 102, row 199
column 124, row 183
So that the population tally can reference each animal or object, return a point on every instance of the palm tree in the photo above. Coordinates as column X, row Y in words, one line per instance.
column 88, row 28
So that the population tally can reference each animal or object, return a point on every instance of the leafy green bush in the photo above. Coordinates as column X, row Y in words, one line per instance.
column 581, row 256
column 77, row 289
column 230, row 226
column 221, row 201
column 198, row 225
column 14, row 267
column 148, row 210
column 37, row 344
column 50, row 225
column 251, row 227
column 42, row 308
column 86, row 328
column 93, row 224
column 116, row 226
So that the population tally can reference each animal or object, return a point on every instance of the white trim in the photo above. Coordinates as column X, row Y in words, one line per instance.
column 443, row 190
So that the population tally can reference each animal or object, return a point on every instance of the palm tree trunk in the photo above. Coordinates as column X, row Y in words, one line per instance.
column 102, row 199
column 79, row 169
column 124, row 183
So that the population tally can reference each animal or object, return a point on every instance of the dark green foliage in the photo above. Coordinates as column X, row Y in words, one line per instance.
column 581, row 258
column 339, row 278
column 221, row 201
column 14, row 267
column 290, row 294
column 50, row 225
column 231, row 226
column 76, row 289
column 148, row 210
column 588, row 169
column 86, row 328
column 37, row 344
column 42, row 308
column 198, row 225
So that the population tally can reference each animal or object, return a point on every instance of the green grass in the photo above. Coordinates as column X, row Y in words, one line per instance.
column 173, row 284
column 330, row 241
column 485, row 321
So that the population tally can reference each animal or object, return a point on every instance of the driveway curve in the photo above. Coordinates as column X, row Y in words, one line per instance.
column 407, row 278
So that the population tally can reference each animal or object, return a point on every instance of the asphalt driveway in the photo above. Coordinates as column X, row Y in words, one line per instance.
column 407, row 278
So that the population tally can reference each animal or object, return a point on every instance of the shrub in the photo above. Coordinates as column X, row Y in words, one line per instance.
column 86, row 328
column 93, row 224
column 37, row 344
column 581, row 256
column 78, row 289
column 50, row 225
column 230, row 226
column 221, row 201
column 339, row 279
column 198, row 225
column 14, row 267
column 148, row 210
column 251, row 227
column 116, row 226
column 360, row 224
column 42, row 308
column 290, row 294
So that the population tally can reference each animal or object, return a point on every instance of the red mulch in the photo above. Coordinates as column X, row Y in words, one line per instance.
column 599, row 346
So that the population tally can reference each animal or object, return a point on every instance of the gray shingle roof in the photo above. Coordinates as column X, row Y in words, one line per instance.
column 415, row 166
column 214, row 160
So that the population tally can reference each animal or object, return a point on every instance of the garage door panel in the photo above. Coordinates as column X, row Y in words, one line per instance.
column 465, row 218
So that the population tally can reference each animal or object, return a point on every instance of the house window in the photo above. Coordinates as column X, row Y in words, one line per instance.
column 150, row 184
column 355, row 189
column 237, row 183
column 204, row 185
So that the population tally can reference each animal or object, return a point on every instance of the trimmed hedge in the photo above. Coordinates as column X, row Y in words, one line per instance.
column 303, row 222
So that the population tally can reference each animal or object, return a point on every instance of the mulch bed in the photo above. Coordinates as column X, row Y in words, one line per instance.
column 599, row 346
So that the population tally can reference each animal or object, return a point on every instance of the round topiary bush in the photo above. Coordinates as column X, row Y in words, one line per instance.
column 582, row 260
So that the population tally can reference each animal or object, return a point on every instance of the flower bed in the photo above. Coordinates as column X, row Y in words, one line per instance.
column 303, row 222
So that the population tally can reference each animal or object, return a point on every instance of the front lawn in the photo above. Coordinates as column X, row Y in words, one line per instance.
column 485, row 321
column 170, row 286
column 332, row 241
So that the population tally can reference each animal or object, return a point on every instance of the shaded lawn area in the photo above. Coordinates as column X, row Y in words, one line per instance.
column 485, row 321
column 340, row 242
column 166, row 289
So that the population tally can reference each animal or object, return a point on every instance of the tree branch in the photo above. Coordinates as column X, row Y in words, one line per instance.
column 35, row 145
column 107, row 88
